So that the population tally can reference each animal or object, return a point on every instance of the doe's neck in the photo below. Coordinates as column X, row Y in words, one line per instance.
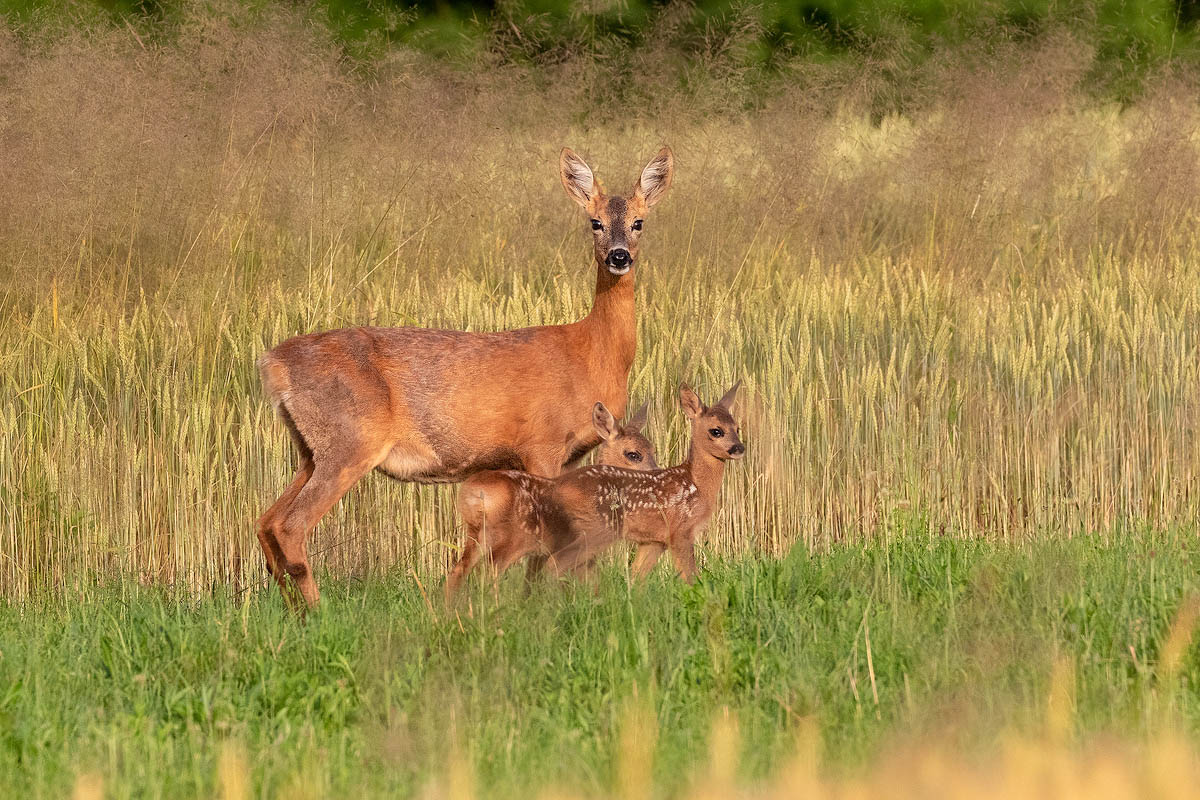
column 612, row 322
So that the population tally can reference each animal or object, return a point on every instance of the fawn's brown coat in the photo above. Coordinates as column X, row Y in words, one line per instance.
column 588, row 509
column 503, row 510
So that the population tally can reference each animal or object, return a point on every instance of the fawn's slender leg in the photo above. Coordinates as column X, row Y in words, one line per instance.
column 533, row 568
column 564, row 559
column 684, row 553
column 544, row 465
column 647, row 556
column 508, row 554
column 473, row 550
column 579, row 553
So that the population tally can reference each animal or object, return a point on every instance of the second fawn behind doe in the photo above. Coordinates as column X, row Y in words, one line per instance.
column 503, row 510
column 661, row 510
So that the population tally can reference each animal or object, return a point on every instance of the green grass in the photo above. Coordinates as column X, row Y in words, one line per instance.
column 379, row 690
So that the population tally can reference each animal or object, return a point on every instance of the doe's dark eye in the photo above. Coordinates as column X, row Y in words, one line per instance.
column 597, row 225
column 637, row 224
column 633, row 455
column 716, row 433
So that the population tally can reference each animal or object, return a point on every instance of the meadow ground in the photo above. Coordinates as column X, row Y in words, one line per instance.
column 853, row 658
column 968, row 325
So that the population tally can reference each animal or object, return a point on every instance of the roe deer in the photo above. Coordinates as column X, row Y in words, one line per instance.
column 590, row 508
column 502, row 509
column 435, row 406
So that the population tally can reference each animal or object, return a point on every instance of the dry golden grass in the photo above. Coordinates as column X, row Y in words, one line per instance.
column 980, row 318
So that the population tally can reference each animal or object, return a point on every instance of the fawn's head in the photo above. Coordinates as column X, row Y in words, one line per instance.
column 714, row 430
column 616, row 220
column 623, row 445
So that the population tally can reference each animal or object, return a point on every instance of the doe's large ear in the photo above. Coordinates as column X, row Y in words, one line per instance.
column 638, row 420
column 692, row 407
column 726, row 401
column 604, row 422
column 576, row 177
column 656, row 177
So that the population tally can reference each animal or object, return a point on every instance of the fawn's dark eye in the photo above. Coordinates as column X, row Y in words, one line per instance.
column 633, row 455
column 637, row 224
column 716, row 433
column 597, row 225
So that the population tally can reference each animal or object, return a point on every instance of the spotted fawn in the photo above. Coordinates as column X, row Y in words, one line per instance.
column 665, row 509
column 503, row 511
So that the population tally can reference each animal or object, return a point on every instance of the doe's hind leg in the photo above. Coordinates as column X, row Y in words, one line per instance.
column 330, row 480
column 268, row 523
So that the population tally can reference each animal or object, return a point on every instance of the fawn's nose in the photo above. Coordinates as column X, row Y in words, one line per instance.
column 618, row 257
column 737, row 450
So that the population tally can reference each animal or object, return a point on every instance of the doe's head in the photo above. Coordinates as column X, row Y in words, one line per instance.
column 616, row 220
column 714, row 430
column 622, row 444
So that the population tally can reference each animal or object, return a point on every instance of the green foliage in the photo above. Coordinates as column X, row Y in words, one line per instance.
column 1131, row 38
column 919, row 638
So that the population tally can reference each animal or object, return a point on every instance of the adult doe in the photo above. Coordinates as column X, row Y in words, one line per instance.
column 435, row 406
column 665, row 509
column 503, row 510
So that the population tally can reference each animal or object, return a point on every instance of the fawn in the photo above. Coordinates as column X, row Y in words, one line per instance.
column 588, row 509
column 406, row 401
column 502, row 510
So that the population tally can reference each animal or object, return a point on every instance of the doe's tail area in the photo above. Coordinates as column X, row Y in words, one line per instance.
column 275, row 380
column 277, row 384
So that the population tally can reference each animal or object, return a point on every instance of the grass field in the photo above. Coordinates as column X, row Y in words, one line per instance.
column 882, row 654
column 969, row 334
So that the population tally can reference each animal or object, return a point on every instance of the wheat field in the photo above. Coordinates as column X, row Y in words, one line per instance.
column 979, row 318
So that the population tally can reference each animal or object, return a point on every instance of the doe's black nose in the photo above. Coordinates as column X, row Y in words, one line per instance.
column 617, row 258
column 737, row 449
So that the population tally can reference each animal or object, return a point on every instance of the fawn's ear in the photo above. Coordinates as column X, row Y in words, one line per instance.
column 638, row 420
column 656, row 177
column 690, row 401
column 576, row 177
column 604, row 422
column 726, row 401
